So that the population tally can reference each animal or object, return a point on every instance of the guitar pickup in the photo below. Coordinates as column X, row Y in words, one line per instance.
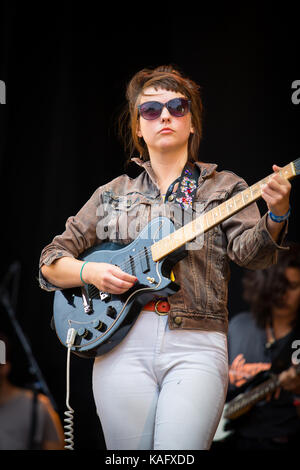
column 144, row 260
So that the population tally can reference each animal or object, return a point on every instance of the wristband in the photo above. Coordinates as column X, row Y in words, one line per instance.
column 279, row 218
column 83, row 282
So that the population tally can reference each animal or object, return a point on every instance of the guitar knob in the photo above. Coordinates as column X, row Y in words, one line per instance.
column 111, row 312
column 82, row 332
column 99, row 325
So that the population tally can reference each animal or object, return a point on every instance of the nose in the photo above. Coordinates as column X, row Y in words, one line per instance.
column 165, row 115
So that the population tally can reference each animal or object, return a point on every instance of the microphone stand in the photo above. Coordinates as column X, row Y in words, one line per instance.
column 9, row 303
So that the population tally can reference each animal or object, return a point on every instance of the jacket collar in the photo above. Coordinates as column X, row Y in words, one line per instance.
column 206, row 169
column 147, row 167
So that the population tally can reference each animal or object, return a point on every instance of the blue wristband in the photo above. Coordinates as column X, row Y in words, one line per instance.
column 279, row 218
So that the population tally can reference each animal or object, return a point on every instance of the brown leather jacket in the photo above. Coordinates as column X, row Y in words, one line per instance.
column 118, row 210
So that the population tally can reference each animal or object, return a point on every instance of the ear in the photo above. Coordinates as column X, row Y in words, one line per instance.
column 192, row 129
column 138, row 130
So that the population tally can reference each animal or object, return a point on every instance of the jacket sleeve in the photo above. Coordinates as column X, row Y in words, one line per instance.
column 250, row 244
column 79, row 235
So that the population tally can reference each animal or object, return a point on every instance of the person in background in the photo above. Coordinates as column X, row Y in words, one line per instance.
column 19, row 430
column 260, row 340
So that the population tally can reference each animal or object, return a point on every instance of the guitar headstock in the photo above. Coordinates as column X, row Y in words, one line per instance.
column 296, row 164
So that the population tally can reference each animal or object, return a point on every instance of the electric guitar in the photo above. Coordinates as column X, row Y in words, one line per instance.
column 243, row 403
column 100, row 320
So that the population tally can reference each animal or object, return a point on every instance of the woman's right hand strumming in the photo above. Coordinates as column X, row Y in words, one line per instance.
column 65, row 273
column 107, row 277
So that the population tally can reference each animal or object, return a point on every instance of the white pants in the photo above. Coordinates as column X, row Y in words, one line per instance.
column 161, row 388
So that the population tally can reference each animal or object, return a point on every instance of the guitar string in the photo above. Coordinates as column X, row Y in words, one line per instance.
column 143, row 254
column 137, row 257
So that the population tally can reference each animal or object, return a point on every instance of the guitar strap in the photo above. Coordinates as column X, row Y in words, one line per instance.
column 187, row 187
column 185, row 192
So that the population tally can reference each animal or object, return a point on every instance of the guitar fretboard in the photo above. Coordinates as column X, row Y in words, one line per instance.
column 242, row 402
column 250, row 398
column 215, row 216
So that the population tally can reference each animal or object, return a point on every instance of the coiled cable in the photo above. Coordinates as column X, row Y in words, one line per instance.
column 69, row 413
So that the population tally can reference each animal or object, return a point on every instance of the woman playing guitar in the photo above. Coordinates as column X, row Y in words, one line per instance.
column 164, row 385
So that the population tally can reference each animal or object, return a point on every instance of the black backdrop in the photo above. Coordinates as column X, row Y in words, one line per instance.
column 65, row 68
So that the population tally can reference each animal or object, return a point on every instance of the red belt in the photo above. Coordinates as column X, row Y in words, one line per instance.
column 161, row 307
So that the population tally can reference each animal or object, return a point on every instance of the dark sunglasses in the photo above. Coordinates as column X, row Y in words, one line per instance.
column 177, row 107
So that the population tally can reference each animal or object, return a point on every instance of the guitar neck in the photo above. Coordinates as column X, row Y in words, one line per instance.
column 236, row 407
column 242, row 402
column 216, row 216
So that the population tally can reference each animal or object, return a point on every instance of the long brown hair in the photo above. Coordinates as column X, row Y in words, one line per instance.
column 166, row 77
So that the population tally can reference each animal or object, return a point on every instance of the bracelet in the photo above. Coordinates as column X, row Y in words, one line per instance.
column 83, row 282
column 279, row 218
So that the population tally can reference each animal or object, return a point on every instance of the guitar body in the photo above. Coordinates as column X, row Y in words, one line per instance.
column 102, row 320
column 221, row 432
